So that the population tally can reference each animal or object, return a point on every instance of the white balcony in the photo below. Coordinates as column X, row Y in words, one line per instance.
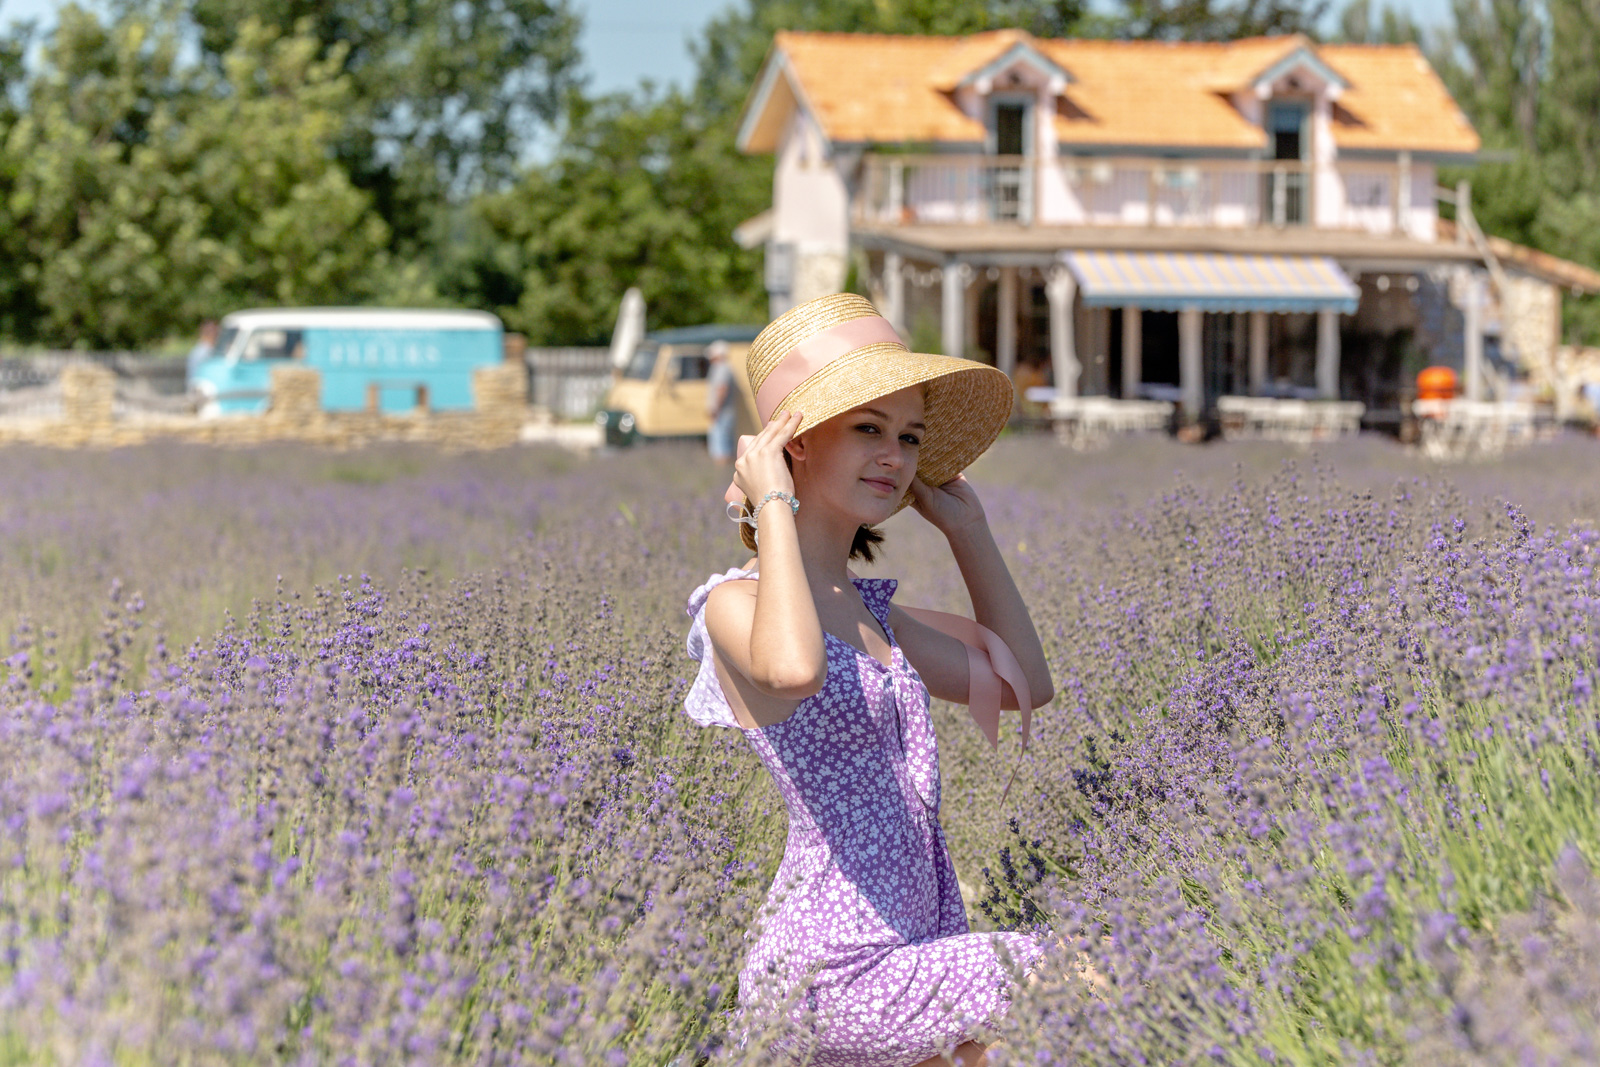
column 1227, row 194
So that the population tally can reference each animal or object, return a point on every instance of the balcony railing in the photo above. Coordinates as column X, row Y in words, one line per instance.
column 906, row 189
column 947, row 189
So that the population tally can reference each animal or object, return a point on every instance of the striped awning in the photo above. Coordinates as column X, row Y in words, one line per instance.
column 1212, row 281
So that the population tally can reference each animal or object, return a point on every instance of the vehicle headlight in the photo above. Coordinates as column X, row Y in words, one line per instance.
column 625, row 424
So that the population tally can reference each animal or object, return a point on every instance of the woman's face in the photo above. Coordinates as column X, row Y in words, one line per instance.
column 861, row 462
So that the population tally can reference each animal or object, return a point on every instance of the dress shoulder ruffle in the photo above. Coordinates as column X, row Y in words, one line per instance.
column 705, row 702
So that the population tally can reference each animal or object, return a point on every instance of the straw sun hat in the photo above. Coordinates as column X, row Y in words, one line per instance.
column 836, row 353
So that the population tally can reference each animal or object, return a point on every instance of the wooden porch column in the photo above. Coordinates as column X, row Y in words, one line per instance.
column 1132, row 352
column 894, row 290
column 1190, row 382
column 1005, row 336
column 1402, row 192
column 1258, row 352
column 952, row 328
column 1060, row 290
column 1472, row 336
column 1328, row 354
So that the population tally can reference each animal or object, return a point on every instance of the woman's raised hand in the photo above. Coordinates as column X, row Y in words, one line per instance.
column 760, row 468
column 951, row 507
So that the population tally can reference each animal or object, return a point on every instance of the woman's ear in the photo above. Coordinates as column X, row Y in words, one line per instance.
column 796, row 448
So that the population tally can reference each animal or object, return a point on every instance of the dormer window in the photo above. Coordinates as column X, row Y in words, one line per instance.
column 1286, row 126
column 1010, row 128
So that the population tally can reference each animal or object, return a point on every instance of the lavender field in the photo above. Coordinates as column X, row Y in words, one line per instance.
column 377, row 757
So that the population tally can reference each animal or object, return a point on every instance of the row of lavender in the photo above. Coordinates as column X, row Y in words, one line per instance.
column 1319, row 786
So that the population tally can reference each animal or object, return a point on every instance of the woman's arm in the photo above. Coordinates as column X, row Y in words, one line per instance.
column 955, row 511
column 771, row 634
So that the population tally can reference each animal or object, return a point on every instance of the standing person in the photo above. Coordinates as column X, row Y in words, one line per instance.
column 203, row 349
column 862, row 951
column 722, row 399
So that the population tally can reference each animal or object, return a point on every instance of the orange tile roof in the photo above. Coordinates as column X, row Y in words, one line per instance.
column 876, row 87
column 1395, row 100
column 1154, row 93
column 889, row 89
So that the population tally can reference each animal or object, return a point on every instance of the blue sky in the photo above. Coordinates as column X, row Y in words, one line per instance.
column 625, row 41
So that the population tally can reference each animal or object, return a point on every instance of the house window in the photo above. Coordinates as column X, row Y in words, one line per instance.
column 1010, row 129
column 1286, row 124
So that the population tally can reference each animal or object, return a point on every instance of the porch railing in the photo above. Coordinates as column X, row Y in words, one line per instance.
column 1128, row 191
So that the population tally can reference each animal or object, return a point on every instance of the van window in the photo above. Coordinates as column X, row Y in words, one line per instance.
column 272, row 344
column 643, row 363
column 225, row 341
column 691, row 367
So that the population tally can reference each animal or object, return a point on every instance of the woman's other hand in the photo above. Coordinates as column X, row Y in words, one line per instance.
column 952, row 507
column 761, row 468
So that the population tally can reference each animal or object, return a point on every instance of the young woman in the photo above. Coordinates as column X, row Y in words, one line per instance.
column 863, row 945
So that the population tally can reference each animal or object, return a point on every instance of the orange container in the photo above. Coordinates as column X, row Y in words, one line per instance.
column 1436, row 383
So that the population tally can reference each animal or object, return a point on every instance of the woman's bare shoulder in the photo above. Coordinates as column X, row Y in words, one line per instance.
column 733, row 591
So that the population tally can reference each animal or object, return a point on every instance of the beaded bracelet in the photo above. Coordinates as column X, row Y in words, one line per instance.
column 738, row 514
column 776, row 494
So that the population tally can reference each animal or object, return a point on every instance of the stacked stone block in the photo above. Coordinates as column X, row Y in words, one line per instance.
column 88, row 395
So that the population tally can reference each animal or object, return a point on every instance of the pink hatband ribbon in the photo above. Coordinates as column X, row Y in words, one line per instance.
column 816, row 352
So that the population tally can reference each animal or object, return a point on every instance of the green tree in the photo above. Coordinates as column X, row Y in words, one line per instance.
column 643, row 193
column 445, row 96
column 1361, row 23
column 1527, row 73
column 1569, row 141
column 1208, row 20
column 149, row 193
column 16, row 303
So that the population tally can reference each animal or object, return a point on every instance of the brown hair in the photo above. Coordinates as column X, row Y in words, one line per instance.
column 861, row 547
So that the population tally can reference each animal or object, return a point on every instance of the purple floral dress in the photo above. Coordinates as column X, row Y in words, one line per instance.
column 862, row 947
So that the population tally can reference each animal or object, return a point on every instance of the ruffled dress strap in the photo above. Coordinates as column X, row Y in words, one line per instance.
column 705, row 701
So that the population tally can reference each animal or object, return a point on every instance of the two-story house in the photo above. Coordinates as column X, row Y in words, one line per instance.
column 1170, row 220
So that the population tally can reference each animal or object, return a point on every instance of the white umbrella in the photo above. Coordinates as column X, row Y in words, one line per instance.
column 630, row 328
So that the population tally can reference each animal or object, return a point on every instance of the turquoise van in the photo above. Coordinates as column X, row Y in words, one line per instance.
column 400, row 360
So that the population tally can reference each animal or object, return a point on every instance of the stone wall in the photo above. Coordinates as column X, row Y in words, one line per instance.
column 1530, row 321
column 89, row 416
column 1570, row 368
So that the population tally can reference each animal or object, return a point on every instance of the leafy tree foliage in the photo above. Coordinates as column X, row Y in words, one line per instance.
column 644, row 192
column 1361, row 23
column 148, row 194
column 1208, row 20
column 1527, row 72
column 443, row 95
column 16, row 296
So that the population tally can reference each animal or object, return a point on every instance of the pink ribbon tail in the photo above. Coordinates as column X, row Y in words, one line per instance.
column 735, row 495
column 989, row 662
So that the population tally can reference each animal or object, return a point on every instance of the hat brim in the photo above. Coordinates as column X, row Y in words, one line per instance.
column 966, row 403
